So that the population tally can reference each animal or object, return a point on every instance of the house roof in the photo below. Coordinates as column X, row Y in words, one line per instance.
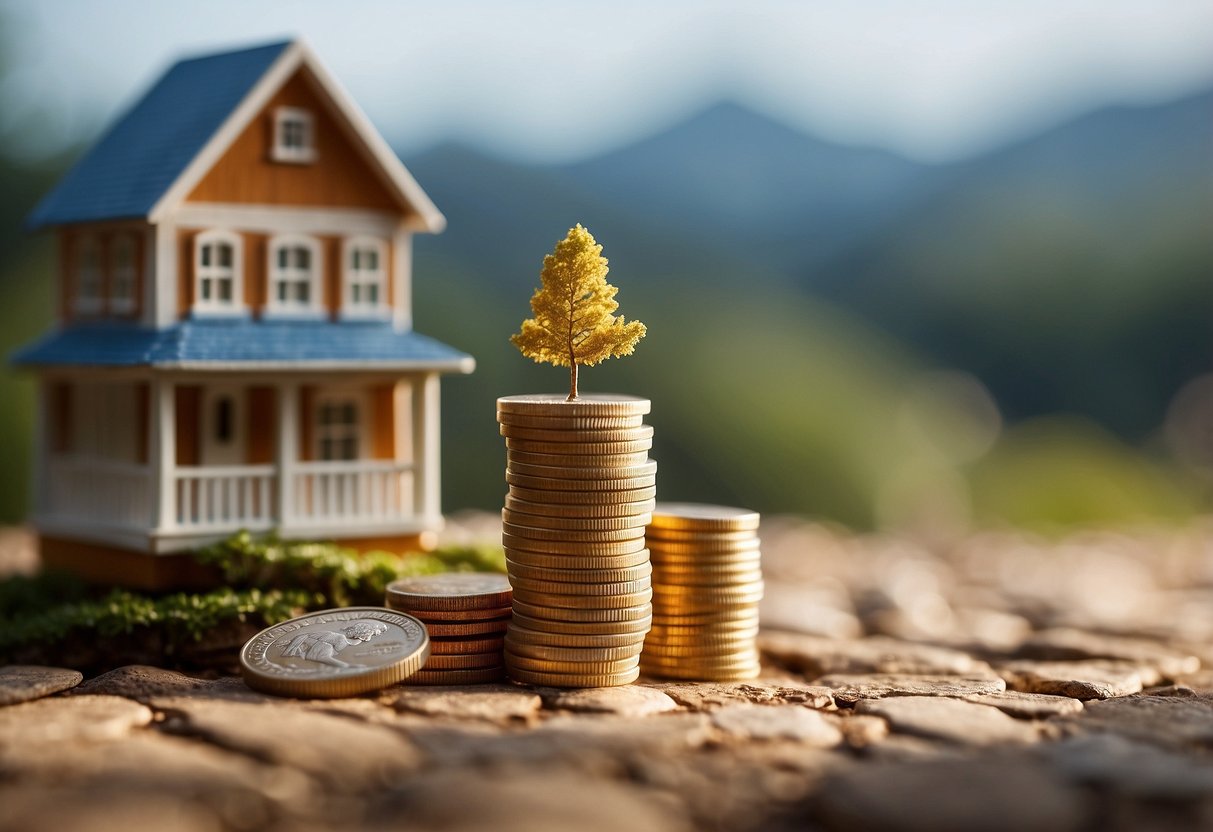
column 244, row 344
column 153, row 155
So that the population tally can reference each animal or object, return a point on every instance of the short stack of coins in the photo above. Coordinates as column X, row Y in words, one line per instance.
column 707, row 582
column 581, row 489
column 466, row 615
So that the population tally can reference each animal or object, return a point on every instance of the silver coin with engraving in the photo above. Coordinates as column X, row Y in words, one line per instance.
column 335, row 653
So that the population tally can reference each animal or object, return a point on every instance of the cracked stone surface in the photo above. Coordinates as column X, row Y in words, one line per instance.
column 1003, row 682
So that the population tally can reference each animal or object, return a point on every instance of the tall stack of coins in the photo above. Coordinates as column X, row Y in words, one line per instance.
column 581, row 489
column 466, row 615
column 707, row 582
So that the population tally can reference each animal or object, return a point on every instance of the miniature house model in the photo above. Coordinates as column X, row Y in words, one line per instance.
column 235, row 346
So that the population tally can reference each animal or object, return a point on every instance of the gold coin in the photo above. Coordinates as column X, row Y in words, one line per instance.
column 683, row 536
column 464, row 661
column 533, row 446
column 706, row 548
column 590, row 536
column 554, row 484
column 567, row 435
column 589, row 404
column 450, row 591
column 697, row 612
column 660, row 634
column 459, row 629
column 673, row 625
column 335, row 653
column 572, row 547
column 573, row 654
column 537, row 587
column 539, row 521
column 701, row 516
column 471, row 676
column 514, row 662
column 570, row 422
column 584, row 498
column 457, row 646
column 581, row 628
column 708, row 563
column 444, row 616
column 652, row 662
column 573, row 680
column 692, row 651
column 566, row 472
column 569, row 511
column 740, row 594
column 522, row 635
column 580, row 460
column 591, row 615
column 587, row 604
column 545, row 560
column 579, row 576
column 689, row 578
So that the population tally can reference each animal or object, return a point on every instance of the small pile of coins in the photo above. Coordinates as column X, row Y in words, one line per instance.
column 466, row 615
column 707, row 581
column 581, row 489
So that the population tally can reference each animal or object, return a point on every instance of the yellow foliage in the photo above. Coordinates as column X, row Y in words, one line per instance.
column 574, row 322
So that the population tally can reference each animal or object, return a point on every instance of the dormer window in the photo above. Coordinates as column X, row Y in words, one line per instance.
column 294, row 268
column 122, row 275
column 88, row 277
column 294, row 136
column 218, row 278
column 365, row 277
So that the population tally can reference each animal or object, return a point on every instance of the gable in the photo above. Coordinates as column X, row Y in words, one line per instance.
column 341, row 176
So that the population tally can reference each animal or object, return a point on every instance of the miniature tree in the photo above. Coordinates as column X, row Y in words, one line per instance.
column 573, row 323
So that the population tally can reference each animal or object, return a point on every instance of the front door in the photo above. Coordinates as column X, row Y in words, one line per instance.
column 223, row 425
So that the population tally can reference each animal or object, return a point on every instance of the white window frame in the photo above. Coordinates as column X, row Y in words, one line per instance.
column 88, row 277
column 357, row 282
column 123, row 276
column 275, row 274
column 280, row 151
column 320, row 432
column 214, row 272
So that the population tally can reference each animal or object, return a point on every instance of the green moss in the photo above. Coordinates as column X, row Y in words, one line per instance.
column 266, row 581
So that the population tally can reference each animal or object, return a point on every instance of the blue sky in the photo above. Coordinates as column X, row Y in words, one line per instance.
column 554, row 81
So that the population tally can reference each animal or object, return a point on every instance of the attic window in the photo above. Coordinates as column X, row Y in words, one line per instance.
column 294, row 136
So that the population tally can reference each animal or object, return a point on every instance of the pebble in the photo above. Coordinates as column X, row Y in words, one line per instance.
column 21, row 683
column 494, row 703
column 1029, row 705
column 1068, row 643
column 783, row 722
column 1172, row 721
column 950, row 720
column 625, row 700
column 849, row 689
column 816, row 656
column 1077, row 680
column 71, row 719
column 862, row 730
column 702, row 696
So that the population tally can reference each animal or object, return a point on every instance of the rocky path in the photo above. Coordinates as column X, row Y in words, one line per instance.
column 999, row 682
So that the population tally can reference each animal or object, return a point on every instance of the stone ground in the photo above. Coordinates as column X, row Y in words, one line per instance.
column 997, row 682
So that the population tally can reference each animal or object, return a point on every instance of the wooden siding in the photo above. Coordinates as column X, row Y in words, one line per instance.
column 382, row 421
column 340, row 177
column 59, row 397
column 256, row 293
column 262, row 425
column 143, row 417
column 307, row 421
column 189, row 413
column 185, row 272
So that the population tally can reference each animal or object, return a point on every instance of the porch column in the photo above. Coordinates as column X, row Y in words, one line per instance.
column 287, row 451
column 42, row 432
column 162, row 453
column 426, row 444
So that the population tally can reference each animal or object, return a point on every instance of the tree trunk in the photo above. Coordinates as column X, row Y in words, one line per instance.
column 572, row 382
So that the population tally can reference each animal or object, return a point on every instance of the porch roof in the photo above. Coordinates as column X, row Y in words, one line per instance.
column 244, row 344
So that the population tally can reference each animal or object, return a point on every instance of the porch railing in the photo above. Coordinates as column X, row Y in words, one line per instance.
column 99, row 492
column 225, row 498
column 352, row 493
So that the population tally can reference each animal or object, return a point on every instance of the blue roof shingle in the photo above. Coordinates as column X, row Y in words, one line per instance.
column 142, row 155
column 243, row 341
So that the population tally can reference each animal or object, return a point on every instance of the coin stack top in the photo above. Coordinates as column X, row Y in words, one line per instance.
column 335, row 653
column 466, row 614
column 581, row 489
column 707, row 582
